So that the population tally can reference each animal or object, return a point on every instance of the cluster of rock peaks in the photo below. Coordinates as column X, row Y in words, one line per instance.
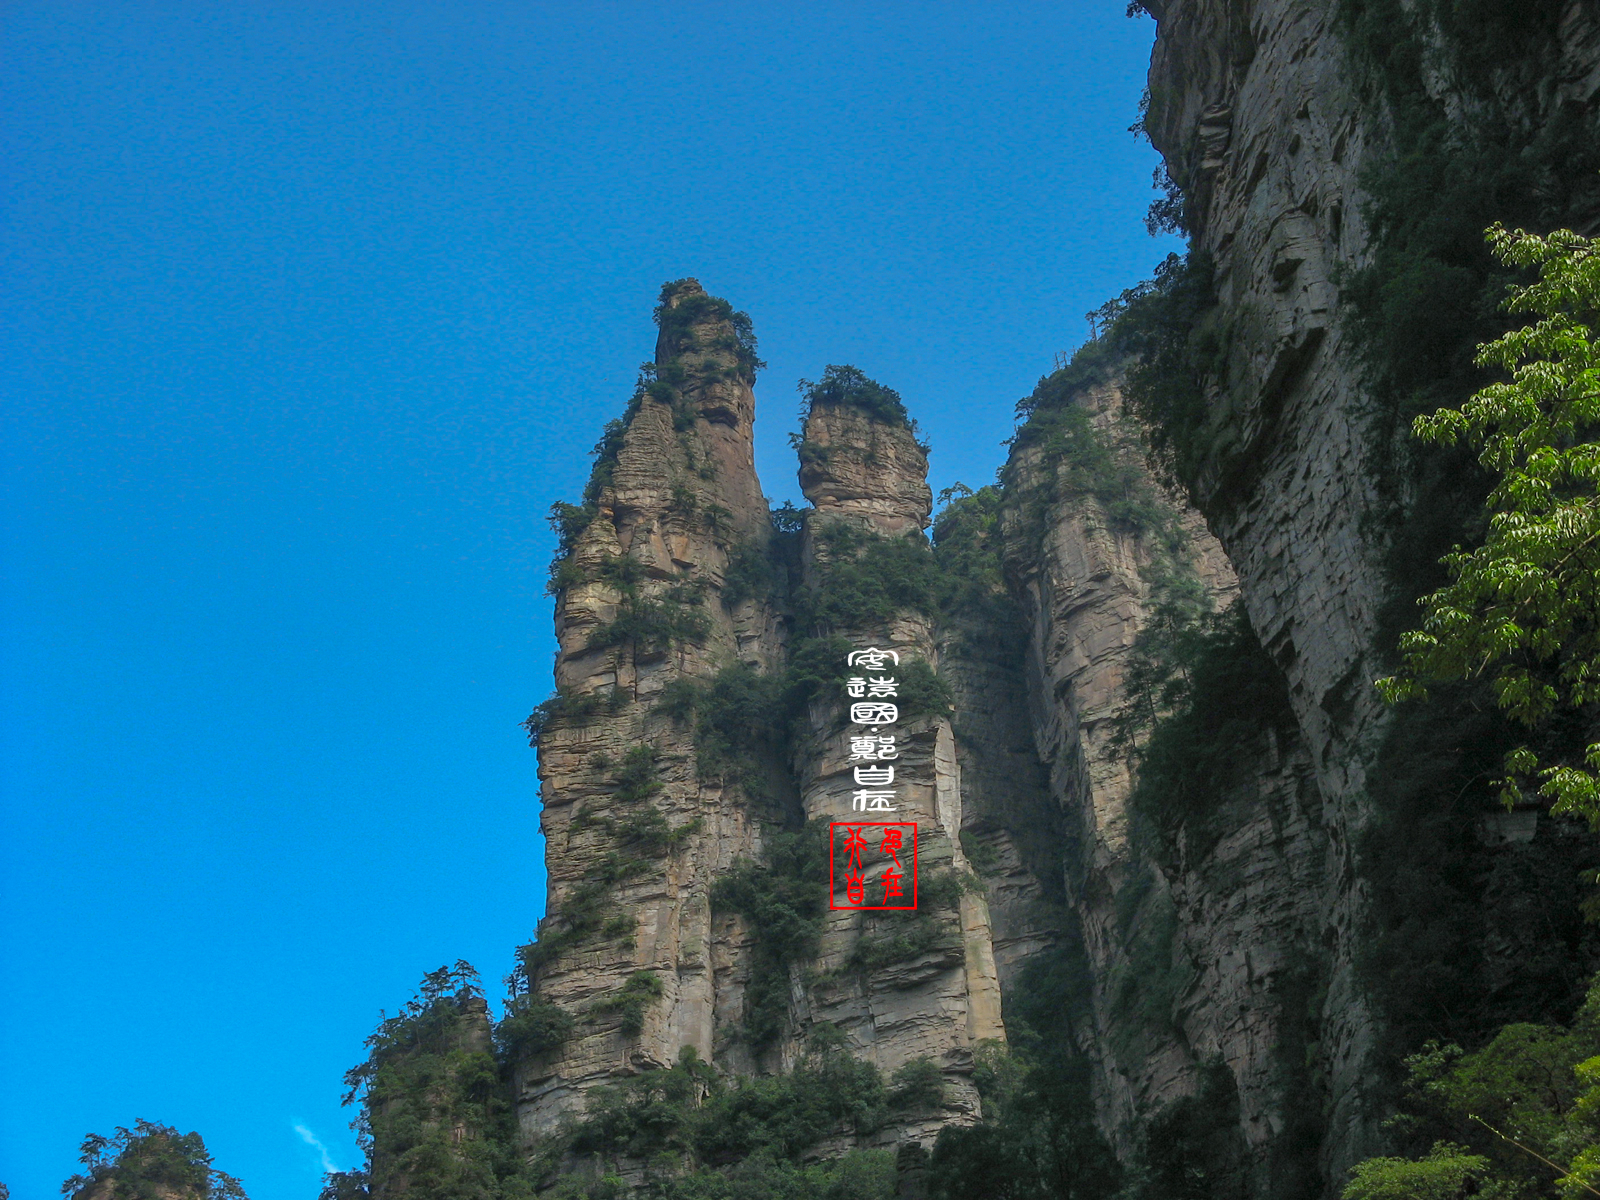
column 675, row 585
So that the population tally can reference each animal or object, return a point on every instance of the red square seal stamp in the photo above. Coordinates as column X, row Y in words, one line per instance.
column 872, row 865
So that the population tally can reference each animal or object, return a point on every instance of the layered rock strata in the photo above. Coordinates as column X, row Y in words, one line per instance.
column 1194, row 952
column 870, row 477
column 631, row 863
column 638, row 830
column 1270, row 127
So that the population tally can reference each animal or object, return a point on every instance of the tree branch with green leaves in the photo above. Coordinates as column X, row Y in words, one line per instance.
column 1522, row 611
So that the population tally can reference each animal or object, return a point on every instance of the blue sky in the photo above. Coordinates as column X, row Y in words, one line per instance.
column 311, row 311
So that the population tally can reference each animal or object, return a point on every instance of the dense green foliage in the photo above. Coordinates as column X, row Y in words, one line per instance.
column 1523, row 609
column 968, row 546
column 702, row 1137
column 1466, row 937
column 864, row 579
column 1160, row 336
column 677, row 323
column 741, row 723
column 1519, row 611
column 652, row 625
column 436, row 1116
column 531, row 1026
column 150, row 1162
column 1519, row 1116
column 848, row 387
column 1431, row 291
column 922, row 692
column 1037, row 1139
column 1446, row 1172
column 783, row 900
column 750, row 573
column 1203, row 687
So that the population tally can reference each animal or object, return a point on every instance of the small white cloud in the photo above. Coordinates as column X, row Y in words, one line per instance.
column 313, row 1141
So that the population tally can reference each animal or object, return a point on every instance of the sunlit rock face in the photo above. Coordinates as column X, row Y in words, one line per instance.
column 676, row 506
column 869, row 475
column 681, row 498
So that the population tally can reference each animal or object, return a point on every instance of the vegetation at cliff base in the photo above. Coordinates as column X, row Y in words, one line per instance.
column 1518, row 1117
column 700, row 1136
column 1037, row 1139
column 149, row 1162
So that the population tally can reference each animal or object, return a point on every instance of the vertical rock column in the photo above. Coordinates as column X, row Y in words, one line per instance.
column 1242, row 890
column 903, row 986
column 635, row 836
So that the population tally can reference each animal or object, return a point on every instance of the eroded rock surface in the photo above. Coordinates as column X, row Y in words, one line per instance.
column 681, row 499
column 638, row 831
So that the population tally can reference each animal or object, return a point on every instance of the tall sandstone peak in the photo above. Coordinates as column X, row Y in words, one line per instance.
column 1183, row 959
column 640, row 825
column 866, row 475
column 635, row 843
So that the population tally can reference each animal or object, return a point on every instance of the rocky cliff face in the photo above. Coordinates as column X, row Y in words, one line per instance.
column 1238, row 939
column 635, row 836
column 1219, row 932
column 640, row 823
column 1253, row 107
column 1199, row 939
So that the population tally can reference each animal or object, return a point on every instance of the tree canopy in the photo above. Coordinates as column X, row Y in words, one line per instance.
column 1523, row 610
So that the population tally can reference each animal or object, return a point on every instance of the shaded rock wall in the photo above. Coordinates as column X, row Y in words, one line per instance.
column 1270, row 128
column 1198, row 944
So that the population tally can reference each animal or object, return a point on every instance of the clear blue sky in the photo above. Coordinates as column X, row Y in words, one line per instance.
column 311, row 311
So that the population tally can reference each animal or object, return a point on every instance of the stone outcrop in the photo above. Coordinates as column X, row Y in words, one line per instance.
column 1194, row 952
column 1265, row 123
column 938, row 1004
column 630, row 879
column 638, row 829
